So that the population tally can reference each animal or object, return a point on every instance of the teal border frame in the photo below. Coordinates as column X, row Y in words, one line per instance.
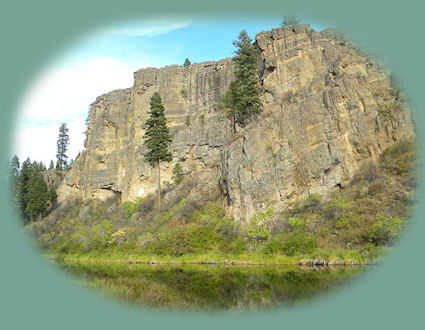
column 34, row 295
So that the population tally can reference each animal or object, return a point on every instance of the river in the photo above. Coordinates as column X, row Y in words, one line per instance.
column 210, row 288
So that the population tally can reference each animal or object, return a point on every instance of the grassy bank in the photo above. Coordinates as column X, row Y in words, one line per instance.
column 343, row 257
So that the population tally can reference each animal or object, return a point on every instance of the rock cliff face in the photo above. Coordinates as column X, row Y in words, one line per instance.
column 327, row 108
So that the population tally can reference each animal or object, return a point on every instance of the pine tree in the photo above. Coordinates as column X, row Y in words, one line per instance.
column 186, row 62
column 243, row 96
column 22, row 188
column 178, row 174
column 157, row 138
column 14, row 172
column 52, row 165
column 37, row 196
column 62, row 148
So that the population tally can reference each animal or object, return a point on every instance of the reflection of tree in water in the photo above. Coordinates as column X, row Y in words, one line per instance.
column 208, row 287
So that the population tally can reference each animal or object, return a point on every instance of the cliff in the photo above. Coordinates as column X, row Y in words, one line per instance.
column 326, row 109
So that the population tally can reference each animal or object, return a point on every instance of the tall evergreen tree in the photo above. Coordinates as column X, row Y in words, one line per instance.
column 243, row 96
column 14, row 171
column 52, row 165
column 157, row 138
column 37, row 196
column 22, row 188
column 62, row 148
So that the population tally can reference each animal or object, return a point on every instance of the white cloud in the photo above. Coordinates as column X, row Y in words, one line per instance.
column 64, row 95
column 147, row 28
column 64, row 91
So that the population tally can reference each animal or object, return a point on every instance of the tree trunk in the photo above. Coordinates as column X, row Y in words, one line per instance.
column 159, row 185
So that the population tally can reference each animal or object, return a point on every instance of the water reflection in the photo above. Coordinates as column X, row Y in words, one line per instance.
column 210, row 288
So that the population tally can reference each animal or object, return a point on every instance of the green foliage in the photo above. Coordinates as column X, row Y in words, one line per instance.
column 385, row 229
column 291, row 243
column 157, row 137
column 399, row 158
column 239, row 246
column 297, row 222
column 189, row 239
column 289, row 20
column 186, row 62
column 30, row 191
column 362, row 216
column 178, row 174
column 242, row 98
column 22, row 187
column 386, row 110
column 62, row 148
column 13, row 180
column 299, row 242
column 184, row 93
column 260, row 226
column 132, row 207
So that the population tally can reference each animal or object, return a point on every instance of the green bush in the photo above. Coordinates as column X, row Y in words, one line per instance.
column 399, row 158
column 178, row 174
column 260, row 226
column 299, row 242
column 132, row 207
column 385, row 229
column 191, row 238
column 275, row 245
column 239, row 246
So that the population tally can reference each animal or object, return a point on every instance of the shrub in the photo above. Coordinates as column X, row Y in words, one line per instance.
column 191, row 238
column 289, row 20
column 275, row 245
column 399, row 158
column 260, row 226
column 185, row 210
column 238, row 246
column 178, row 174
column 299, row 242
column 132, row 207
column 385, row 229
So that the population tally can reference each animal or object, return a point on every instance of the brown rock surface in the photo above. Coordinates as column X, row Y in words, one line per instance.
column 327, row 108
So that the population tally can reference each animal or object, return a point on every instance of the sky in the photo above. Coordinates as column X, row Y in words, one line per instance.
column 105, row 60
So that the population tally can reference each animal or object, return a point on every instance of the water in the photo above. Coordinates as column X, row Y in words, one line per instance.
column 210, row 288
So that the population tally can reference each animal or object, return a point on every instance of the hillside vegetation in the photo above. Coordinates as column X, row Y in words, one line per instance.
column 355, row 222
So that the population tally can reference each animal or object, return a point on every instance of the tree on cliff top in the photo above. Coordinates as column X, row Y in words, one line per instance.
column 186, row 62
column 157, row 138
column 289, row 20
column 243, row 96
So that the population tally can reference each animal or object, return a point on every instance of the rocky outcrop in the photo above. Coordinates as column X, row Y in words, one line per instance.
column 326, row 108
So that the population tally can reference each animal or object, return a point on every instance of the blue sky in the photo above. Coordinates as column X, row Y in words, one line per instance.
column 105, row 60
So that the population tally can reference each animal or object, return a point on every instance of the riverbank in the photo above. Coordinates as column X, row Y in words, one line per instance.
column 344, row 257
